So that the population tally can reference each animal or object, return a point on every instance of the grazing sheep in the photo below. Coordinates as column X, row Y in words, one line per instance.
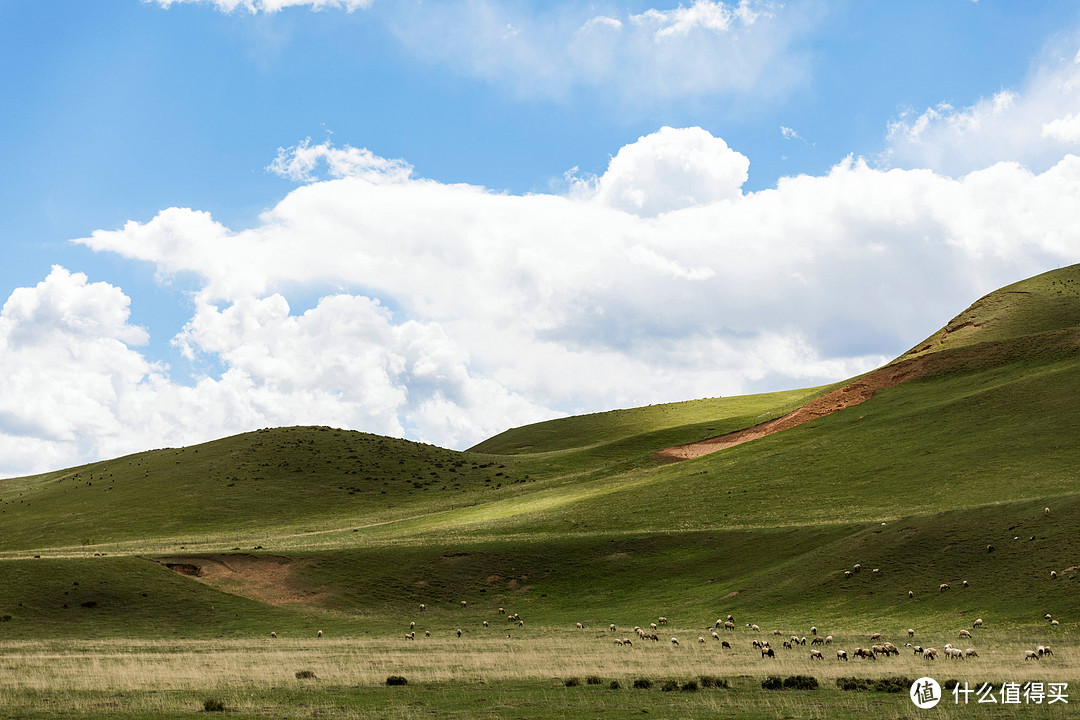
column 412, row 626
column 662, row 620
column 857, row 567
column 978, row 623
column 943, row 587
column 767, row 652
column 502, row 611
column 626, row 641
column 652, row 625
column 618, row 642
column 930, row 653
column 1047, row 616
column 1053, row 574
column 459, row 632
column 828, row 639
column 410, row 636
column 718, row 623
column 802, row 641
column 611, row 627
column 971, row 653
column 787, row 644
column 423, row 607
column 580, row 626
column 1053, row 623
column 841, row 655
column 910, row 593
column 757, row 644
column 875, row 636
column 728, row 625
column 910, row 632
column 813, row 629
column 865, row 653
column 674, row 641
column 989, row 548
column 1046, row 511
column 876, row 571
column 878, row 650
column 715, row 636
column 1030, row 655
column 847, row 573
column 816, row 655
column 273, row 634
column 818, row 641
column 891, row 649
column 485, row 623
column 795, row 639
column 521, row 623
column 755, row 628
column 427, row 633
column 965, row 633
column 463, row 603
column 1044, row 650
column 965, row 583
column 318, row 634
column 777, row 632
column 917, row 650
column 954, row 653
column 725, row 644
column 701, row 638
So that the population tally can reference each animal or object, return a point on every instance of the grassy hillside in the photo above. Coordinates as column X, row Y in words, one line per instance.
column 574, row 520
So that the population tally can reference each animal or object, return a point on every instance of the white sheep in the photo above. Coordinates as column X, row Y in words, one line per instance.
column 857, row 567
column 1046, row 511
column 971, row 653
column 755, row 628
column 463, row 603
column 427, row 633
column 459, row 632
column 875, row 636
column 1053, row 574
column 662, row 620
column 965, row 633
column 580, row 626
column 502, row 611
column 410, row 635
column 841, row 655
column 828, row 639
column 728, row 625
column 965, row 583
column 978, row 623
column 910, row 593
column 1053, row 623
column 319, row 634
column 816, row 655
column 1030, row 655
column 611, row 627
column 715, row 636
column 943, row 587
column 412, row 626
column 423, row 607
column 273, row 634
column 652, row 625
column 813, row 630
column 701, row 638
column 876, row 571
column 674, row 641
column 910, row 632
column 485, row 623
column 1044, row 650
column 847, row 573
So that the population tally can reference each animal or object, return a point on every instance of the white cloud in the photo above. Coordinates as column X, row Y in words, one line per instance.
column 711, row 48
column 270, row 6
column 1030, row 125
column 299, row 161
column 449, row 312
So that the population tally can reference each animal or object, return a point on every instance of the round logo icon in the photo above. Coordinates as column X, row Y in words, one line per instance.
column 925, row 693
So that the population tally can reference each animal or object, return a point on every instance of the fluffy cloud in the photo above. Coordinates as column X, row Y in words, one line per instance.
column 447, row 313
column 1031, row 126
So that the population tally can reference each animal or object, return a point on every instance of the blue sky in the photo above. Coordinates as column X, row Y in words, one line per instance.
column 440, row 220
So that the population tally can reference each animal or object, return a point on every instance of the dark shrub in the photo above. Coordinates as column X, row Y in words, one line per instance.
column 689, row 686
column 593, row 680
column 572, row 682
column 894, row 684
column 90, row 604
column 669, row 685
column 853, row 683
column 305, row 675
column 643, row 683
column 615, row 685
column 801, row 682
column 213, row 705
column 711, row 681
column 396, row 680
column 772, row 683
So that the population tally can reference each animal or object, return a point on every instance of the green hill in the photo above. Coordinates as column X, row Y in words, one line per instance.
column 577, row 519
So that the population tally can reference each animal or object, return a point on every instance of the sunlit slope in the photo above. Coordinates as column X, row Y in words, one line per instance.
column 1046, row 302
column 655, row 425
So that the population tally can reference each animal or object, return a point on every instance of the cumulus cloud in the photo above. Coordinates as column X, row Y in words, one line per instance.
column 269, row 6
column 300, row 161
column 1031, row 125
column 447, row 313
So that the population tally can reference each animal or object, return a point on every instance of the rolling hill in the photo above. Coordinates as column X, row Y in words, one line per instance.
column 953, row 449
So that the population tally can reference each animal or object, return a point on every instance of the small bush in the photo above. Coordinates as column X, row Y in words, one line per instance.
column 950, row 684
column 615, row 685
column 642, row 684
column 572, row 682
column 305, row 675
column 711, row 681
column 853, row 683
column 669, row 685
column 689, row 686
column 396, row 680
column 772, row 683
column 801, row 682
column 6, row 618
column 896, row 684
column 593, row 680
column 213, row 705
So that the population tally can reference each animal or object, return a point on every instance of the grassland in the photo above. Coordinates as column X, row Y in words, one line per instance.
column 141, row 586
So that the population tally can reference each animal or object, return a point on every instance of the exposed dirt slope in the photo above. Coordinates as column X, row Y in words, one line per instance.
column 265, row 578
column 1060, row 343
